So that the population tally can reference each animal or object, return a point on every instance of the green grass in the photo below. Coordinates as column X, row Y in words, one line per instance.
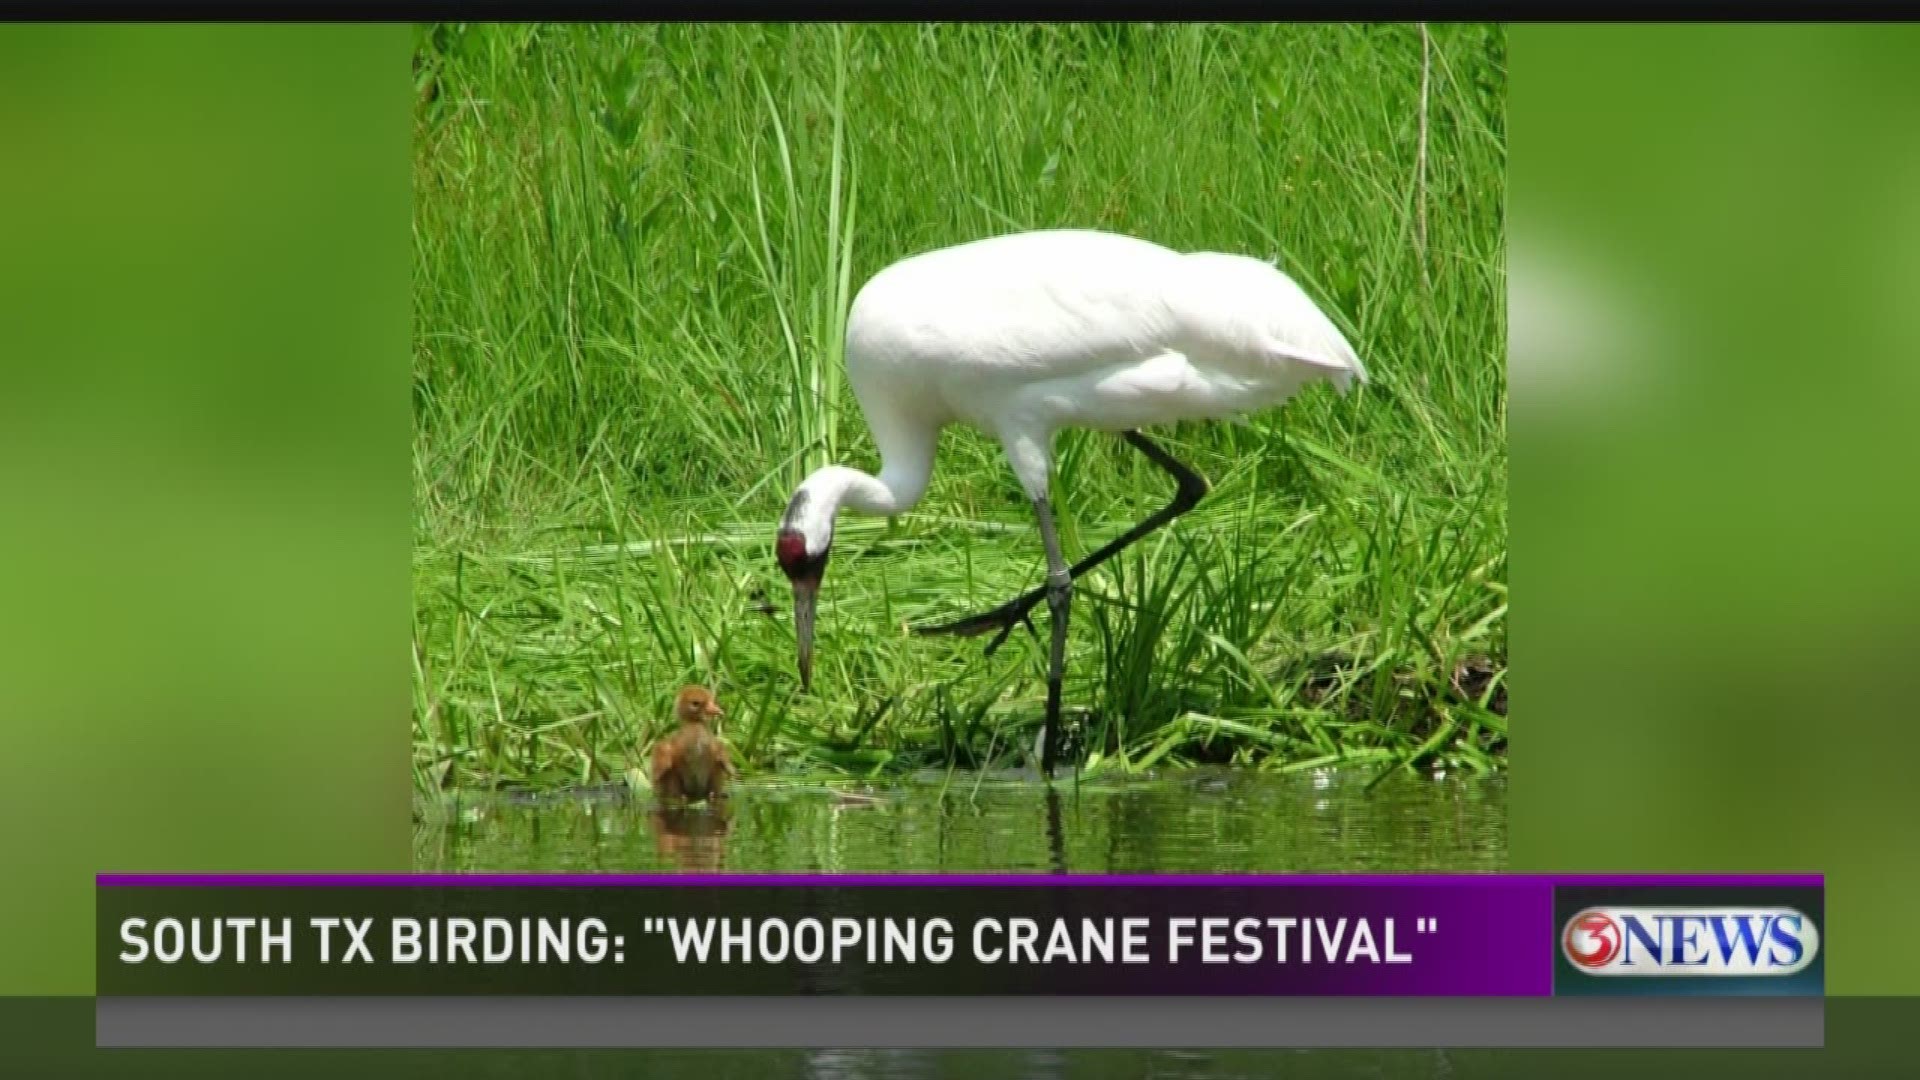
column 635, row 247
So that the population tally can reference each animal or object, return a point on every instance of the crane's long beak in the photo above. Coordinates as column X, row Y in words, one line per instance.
column 804, row 593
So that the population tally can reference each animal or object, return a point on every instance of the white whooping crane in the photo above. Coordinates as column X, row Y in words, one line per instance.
column 1024, row 334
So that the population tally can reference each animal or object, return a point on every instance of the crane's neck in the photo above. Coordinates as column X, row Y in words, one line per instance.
column 902, row 480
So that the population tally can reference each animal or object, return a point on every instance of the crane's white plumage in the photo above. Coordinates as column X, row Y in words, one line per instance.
column 1025, row 334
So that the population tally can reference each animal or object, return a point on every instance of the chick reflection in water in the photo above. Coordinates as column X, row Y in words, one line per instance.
column 691, row 837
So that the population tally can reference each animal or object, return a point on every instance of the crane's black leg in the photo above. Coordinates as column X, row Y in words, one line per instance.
column 1014, row 612
column 1059, row 594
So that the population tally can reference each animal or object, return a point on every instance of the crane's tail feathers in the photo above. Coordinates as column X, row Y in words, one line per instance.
column 1341, row 370
column 1346, row 380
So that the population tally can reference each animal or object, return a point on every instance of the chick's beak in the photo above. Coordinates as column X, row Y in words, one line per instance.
column 804, row 593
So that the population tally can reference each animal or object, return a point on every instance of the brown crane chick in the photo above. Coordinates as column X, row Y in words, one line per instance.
column 692, row 763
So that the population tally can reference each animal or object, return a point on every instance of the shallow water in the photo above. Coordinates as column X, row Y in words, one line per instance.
column 1189, row 821
column 1193, row 821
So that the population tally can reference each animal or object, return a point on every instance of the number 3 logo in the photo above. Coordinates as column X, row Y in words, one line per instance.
column 1592, row 939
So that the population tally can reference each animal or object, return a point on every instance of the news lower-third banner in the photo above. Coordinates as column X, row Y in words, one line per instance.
column 206, row 959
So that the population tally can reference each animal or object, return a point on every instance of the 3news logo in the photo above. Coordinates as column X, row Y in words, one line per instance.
column 1658, row 941
column 1694, row 940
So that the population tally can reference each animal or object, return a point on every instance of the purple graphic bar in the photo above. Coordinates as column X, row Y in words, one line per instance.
column 1381, row 935
column 749, row 880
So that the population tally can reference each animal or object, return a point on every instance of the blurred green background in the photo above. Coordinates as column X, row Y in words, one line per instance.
column 203, row 443
column 1714, row 255
column 1715, row 244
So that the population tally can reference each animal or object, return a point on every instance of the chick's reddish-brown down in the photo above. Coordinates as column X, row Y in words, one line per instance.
column 692, row 763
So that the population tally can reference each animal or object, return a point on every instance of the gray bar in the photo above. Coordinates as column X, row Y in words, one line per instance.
column 959, row 1022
